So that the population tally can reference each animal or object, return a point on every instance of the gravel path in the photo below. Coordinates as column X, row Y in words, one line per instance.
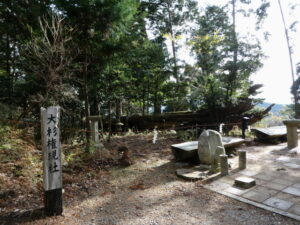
column 149, row 193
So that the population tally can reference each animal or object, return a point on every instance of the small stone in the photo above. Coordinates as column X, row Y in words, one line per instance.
column 244, row 182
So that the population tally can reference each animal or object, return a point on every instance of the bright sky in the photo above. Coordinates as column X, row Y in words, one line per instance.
column 275, row 75
column 276, row 72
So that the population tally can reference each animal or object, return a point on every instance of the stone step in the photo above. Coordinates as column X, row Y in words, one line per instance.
column 244, row 182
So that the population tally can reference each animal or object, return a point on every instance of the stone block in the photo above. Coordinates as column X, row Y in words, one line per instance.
column 244, row 182
column 187, row 151
column 270, row 133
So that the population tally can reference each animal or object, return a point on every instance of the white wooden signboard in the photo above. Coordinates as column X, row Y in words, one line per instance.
column 51, row 147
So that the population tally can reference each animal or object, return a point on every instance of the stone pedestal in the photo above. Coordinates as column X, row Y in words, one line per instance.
column 292, row 135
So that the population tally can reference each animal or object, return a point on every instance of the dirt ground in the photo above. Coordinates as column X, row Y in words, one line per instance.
column 148, row 192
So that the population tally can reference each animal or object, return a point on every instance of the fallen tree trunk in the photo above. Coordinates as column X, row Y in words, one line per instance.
column 203, row 118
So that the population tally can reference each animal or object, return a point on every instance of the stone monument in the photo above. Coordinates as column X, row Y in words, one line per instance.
column 210, row 147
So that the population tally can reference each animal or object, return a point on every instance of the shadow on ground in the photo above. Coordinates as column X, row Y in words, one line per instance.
column 22, row 217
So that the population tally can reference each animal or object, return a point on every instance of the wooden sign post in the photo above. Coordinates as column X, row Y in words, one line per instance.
column 51, row 160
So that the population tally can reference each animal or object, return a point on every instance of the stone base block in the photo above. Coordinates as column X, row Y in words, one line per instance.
column 187, row 151
column 244, row 182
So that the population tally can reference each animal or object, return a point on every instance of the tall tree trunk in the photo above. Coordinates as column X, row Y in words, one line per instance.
column 231, row 85
column 297, row 114
column 8, row 65
column 173, row 44
column 109, row 99
column 13, row 72
column 118, row 109
column 157, row 104
column 95, row 108
column 87, row 105
column 175, row 69
column 109, row 120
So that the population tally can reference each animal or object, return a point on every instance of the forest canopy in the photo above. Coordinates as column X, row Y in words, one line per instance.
column 118, row 58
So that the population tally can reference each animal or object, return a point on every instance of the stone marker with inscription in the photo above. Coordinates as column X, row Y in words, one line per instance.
column 208, row 144
column 51, row 160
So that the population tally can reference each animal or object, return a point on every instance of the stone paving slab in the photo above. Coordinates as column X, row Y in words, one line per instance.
column 264, row 190
column 277, row 177
column 291, row 213
column 256, row 196
column 248, row 173
column 283, row 181
column 278, row 203
column 295, row 209
column 292, row 165
column 275, row 186
column 292, row 191
column 287, row 197
column 264, row 176
column 236, row 190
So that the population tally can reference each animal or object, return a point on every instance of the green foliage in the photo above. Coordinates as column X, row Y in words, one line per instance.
column 220, row 79
column 111, row 58
column 287, row 112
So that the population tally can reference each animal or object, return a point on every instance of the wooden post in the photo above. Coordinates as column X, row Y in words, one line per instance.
column 51, row 160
